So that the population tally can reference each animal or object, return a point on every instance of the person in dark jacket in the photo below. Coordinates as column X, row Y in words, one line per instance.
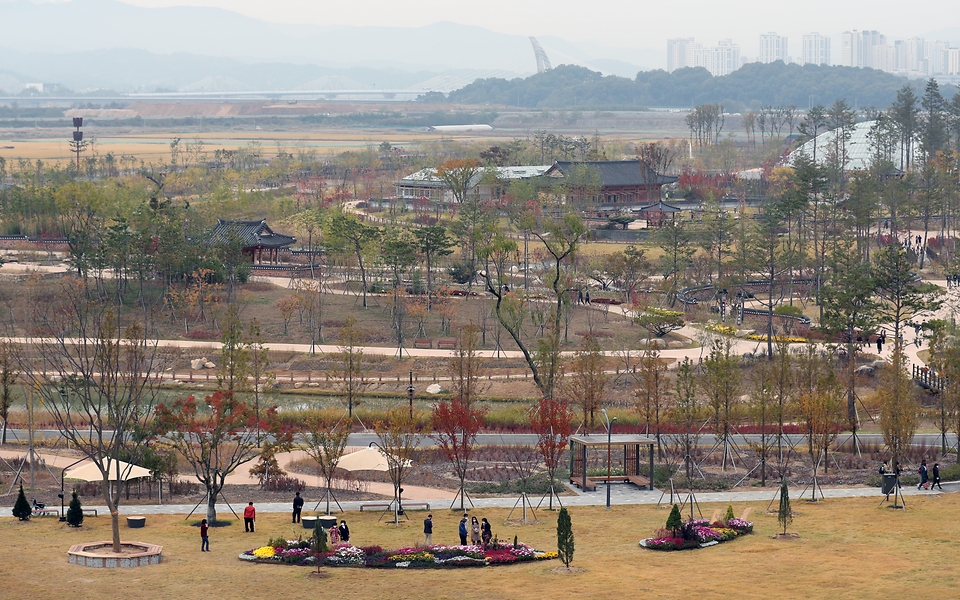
column 344, row 532
column 462, row 530
column 923, row 475
column 485, row 534
column 204, row 537
column 936, row 476
column 428, row 531
column 297, row 507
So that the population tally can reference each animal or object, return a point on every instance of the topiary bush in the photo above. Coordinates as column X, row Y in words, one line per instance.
column 21, row 508
column 75, row 512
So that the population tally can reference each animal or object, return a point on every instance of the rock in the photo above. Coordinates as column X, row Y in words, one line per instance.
column 197, row 363
column 865, row 370
column 169, row 382
column 55, row 379
column 313, row 384
column 675, row 345
column 434, row 388
column 298, row 385
column 879, row 364
column 742, row 333
column 209, row 365
column 657, row 343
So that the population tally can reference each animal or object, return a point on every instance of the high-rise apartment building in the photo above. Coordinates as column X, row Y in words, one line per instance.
column 681, row 53
column 773, row 47
column 861, row 48
column 816, row 49
column 722, row 59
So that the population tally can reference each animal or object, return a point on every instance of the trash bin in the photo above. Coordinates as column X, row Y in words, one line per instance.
column 888, row 484
column 308, row 522
column 327, row 521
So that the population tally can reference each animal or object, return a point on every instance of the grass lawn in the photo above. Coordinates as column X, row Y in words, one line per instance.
column 848, row 549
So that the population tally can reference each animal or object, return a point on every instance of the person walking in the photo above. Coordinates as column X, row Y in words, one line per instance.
column 936, row 476
column 475, row 531
column 204, row 538
column 344, row 532
column 462, row 530
column 485, row 533
column 428, row 531
column 249, row 518
column 923, row 475
column 297, row 508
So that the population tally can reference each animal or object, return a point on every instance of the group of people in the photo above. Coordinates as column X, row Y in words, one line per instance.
column 928, row 479
column 583, row 298
column 336, row 533
column 479, row 531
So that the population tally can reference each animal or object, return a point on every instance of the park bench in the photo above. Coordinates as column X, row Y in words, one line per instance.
column 46, row 512
column 423, row 344
column 90, row 511
column 447, row 344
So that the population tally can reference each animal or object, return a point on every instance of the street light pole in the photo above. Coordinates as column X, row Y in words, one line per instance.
column 410, row 393
column 609, row 431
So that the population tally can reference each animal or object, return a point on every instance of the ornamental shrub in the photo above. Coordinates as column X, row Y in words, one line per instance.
column 675, row 521
column 785, row 514
column 729, row 514
column 21, row 509
column 75, row 512
column 565, row 537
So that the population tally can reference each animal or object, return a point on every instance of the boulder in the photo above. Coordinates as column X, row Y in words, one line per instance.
column 434, row 388
column 313, row 384
column 865, row 370
column 675, row 345
column 209, row 365
column 879, row 364
column 198, row 363
column 298, row 385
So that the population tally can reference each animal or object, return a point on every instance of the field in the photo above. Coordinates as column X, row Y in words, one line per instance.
column 847, row 549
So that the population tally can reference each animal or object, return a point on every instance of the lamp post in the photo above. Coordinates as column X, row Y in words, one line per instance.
column 78, row 145
column 610, row 423
column 723, row 305
column 740, row 300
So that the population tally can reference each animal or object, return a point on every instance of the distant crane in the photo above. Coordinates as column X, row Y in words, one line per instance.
column 543, row 63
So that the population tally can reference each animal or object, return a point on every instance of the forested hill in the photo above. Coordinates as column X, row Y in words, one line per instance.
column 751, row 86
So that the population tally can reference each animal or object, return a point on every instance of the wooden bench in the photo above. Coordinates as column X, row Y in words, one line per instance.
column 591, row 485
column 447, row 344
column 45, row 512
column 89, row 511
column 423, row 344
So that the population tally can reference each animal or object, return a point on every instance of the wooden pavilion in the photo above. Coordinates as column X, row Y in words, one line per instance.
column 256, row 239
column 628, row 444
column 656, row 214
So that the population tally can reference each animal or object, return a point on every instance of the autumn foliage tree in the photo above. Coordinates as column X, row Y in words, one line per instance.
column 214, row 444
column 551, row 422
column 456, row 424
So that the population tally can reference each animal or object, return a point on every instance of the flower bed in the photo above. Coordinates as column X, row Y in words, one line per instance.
column 298, row 552
column 698, row 533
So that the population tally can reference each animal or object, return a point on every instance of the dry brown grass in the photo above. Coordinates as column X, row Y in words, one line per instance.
column 847, row 549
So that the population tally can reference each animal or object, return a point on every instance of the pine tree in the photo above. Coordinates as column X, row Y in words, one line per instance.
column 21, row 509
column 675, row 521
column 75, row 512
column 565, row 537
column 319, row 543
column 785, row 514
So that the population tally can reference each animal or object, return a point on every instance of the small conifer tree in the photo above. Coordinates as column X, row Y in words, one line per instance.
column 729, row 514
column 75, row 512
column 319, row 543
column 21, row 509
column 675, row 521
column 564, row 537
column 785, row 514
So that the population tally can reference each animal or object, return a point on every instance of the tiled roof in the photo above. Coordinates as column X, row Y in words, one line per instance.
column 428, row 177
column 615, row 173
column 251, row 234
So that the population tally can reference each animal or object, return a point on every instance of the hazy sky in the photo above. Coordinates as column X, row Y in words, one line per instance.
column 623, row 23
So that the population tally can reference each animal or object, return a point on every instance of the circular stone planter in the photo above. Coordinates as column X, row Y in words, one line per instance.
column 308, row 522
column 327, row 522
column 136, row 522
column 100, row 555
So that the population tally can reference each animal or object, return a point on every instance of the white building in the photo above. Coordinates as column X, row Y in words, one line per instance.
column 861, row 48
column 722, row 59
column 816, row 49
column 773, row 47
column 682, row 53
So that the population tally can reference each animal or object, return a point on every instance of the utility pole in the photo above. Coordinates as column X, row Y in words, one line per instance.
column 410, row 393
column 78, row 145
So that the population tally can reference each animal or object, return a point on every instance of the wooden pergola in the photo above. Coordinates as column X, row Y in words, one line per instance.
column 629, row 444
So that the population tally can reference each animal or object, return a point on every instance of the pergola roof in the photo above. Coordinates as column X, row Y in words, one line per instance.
column 620, row 439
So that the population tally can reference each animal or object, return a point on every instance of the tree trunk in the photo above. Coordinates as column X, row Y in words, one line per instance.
column 211, row 507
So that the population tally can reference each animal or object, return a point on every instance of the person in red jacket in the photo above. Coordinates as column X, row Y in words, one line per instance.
column 249, row 518
column 204, row 539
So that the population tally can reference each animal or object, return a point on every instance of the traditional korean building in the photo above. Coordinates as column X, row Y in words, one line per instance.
column 656, row 214
column 424, row 185
column 624, row 184
column 259, row 242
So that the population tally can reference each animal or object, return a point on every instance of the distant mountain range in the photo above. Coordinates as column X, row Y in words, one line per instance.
column 89, row 44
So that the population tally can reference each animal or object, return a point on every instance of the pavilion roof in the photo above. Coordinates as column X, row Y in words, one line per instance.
column 252, row 234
